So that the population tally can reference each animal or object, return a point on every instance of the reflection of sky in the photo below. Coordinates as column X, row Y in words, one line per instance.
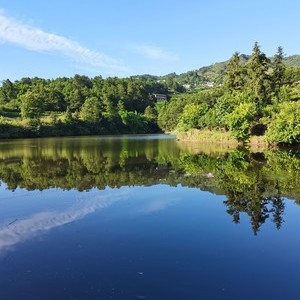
column 21, row 228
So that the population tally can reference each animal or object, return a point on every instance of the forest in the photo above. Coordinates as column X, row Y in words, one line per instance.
column 258, row 97
column 249, row 96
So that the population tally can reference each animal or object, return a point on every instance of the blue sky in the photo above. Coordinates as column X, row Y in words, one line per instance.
column 127, row 37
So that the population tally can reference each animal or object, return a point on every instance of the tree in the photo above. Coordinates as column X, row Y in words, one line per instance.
column 193, row 116
column 285, row 125
column 258, row 80
column 279, row 70
column 135, row 122
column 239, row 120
column 8, row 91
column 91, row 110
column 234, row 75
column 32, row 104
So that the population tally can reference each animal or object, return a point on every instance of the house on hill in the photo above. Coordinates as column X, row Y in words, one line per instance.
column 160, row 97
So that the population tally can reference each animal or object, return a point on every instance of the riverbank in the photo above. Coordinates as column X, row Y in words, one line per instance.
column 36, row 128
column 220, row 138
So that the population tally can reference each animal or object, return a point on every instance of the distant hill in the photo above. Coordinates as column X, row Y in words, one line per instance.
column 292, row 61
column 213, row 74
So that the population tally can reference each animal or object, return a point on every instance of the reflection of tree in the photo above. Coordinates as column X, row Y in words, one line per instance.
column 242, row 177
column 277, row 208
column 254, row 184
column 257, row 207
column 246, row 198
column 86, row 163
column 248, row 191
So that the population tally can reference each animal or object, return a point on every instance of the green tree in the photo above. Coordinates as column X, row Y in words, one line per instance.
column 193, row 116
column 32, row 104
column 278, row 69
column 240, row 119
column 8, row 91
column 134, row 121
column 285, row 125
column 91, row 110
column 258, row 81
column 234, row 75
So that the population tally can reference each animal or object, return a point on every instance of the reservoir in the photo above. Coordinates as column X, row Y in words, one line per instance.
column 147, row 217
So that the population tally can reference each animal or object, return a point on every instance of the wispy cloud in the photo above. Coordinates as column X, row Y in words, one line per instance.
column 35, row 39
column 155, row 53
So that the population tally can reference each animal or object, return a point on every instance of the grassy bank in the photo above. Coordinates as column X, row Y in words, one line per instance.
column 221, row 138
column 206, row 136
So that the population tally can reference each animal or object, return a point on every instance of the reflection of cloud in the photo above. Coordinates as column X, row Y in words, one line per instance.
column 21, row 230
column 35, row 39
column 157, row 205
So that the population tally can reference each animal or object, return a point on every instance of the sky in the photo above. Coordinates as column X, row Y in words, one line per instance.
column 122, row 38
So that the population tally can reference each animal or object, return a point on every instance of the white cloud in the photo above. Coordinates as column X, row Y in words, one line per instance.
column 155, row 53
column 32, row 38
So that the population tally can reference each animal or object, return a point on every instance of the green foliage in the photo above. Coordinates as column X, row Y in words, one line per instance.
column 252, row 183
column 235, row 74
column 91, row 110
column 251, row 92
column 150, row 113
column 193, row 116
column 168, row 114
column 81, row 105
column 258, row 81
column 8, row 91
column 134, row 122
column 278, row 70
column 239, row 120
column 284, row 127
column 220, row 110
column 32, row 104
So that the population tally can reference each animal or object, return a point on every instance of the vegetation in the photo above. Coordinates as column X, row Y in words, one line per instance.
column 78, row 106
column 259, row 96
column 246, row 96
column 254, row 184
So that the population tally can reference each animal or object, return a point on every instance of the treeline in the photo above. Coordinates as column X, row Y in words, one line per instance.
column 78, row 105
column 257, row 97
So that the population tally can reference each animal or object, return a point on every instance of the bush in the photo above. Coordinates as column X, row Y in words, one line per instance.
column 193, row 116
column 239, row 121
column 285, row 125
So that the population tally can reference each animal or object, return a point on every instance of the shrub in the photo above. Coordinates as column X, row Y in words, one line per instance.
column 285, row 125
column 239, row 121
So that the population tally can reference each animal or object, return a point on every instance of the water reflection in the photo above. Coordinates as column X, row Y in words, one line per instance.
column 254, row 184
column 20, row 230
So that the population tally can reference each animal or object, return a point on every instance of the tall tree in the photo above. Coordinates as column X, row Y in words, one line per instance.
column 279, row 70
column 91, row 110
column 258, row 80
column 8, row 91
column 234, row 76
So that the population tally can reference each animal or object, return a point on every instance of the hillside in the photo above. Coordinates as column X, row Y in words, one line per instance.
column 213, row 74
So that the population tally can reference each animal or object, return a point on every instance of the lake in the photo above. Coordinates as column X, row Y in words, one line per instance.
column 147, row 217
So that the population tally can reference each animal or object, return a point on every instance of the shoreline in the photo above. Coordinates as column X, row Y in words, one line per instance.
column 221, row 139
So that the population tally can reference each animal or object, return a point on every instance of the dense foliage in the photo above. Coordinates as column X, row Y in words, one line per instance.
column 78, row 105
column 247, row 95
column 258, row 96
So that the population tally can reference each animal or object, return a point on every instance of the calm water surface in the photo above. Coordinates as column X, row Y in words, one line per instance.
column 146, row 217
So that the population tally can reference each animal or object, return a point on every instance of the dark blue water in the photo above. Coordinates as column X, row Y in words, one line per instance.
column 165, row 238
